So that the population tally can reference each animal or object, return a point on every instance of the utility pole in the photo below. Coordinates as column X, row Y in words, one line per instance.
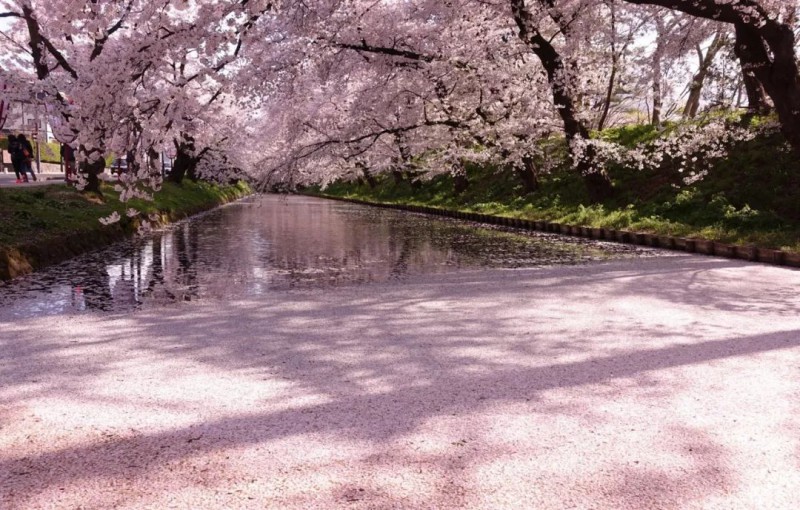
column 38, row 139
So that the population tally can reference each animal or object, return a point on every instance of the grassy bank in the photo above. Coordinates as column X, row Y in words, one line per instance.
column 47, row 224
column 753, row 197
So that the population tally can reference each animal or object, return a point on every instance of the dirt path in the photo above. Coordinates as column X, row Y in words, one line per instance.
column 662, row 383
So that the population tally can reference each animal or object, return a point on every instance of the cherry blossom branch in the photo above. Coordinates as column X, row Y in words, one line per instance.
column 314, row 148
column 383, row 50
column 100, row 43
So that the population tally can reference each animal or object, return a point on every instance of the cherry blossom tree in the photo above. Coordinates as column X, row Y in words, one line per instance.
column 310, row 91
column 380, row 98
column 125, row 76
column 766, row 46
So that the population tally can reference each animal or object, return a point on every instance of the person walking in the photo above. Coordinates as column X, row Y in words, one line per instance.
column 27, row 155
column 15, row 151
column 68, row 156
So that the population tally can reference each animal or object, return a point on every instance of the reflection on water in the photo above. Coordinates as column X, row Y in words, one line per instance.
column 270, row 243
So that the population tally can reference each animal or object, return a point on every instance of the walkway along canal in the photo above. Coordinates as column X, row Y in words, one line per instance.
column 333, row 355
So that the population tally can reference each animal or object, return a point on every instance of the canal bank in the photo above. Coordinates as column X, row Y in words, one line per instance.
column 49, row 224
column 749, row 200
column 689, row 243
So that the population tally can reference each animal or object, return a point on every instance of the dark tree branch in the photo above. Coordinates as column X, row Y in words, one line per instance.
column 311, row 149
column 62, row 62
column 100, row 43
column 35, row 41
column 383, row 50
column 766, row 48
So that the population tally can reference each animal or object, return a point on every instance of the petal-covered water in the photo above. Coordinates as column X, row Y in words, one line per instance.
column 268, row 243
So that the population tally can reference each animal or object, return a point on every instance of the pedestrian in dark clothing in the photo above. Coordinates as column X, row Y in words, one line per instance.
column 15, row 151
column 68, row 156
column 27, row 154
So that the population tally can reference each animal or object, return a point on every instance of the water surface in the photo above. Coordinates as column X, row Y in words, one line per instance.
column 273, row 243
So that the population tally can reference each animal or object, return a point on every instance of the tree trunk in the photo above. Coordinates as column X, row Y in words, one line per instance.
column 609, row 94
column 460, row 182
column 656, row 70
column 766, row 47
column 779, row 75
column 132, row 162
column 595, row 178
column 180, row 167
column 757, row 103
column 192, row 172
column 184, row 162
column 657, row 102
column 92, row 179
column 693, row 103
column 698, row 80
column 601, row 124
column 153, row 163
column 397, row 175
column 695, row 92
column 368, row 176
column 405, row 170
column 91, row 169
column 747, row 48
column 527, row 174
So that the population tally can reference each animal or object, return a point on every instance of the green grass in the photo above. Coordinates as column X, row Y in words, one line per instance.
column 752, row 197
column 48, row 212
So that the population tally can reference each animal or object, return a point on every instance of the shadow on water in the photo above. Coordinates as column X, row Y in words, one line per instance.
column 269, row 243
